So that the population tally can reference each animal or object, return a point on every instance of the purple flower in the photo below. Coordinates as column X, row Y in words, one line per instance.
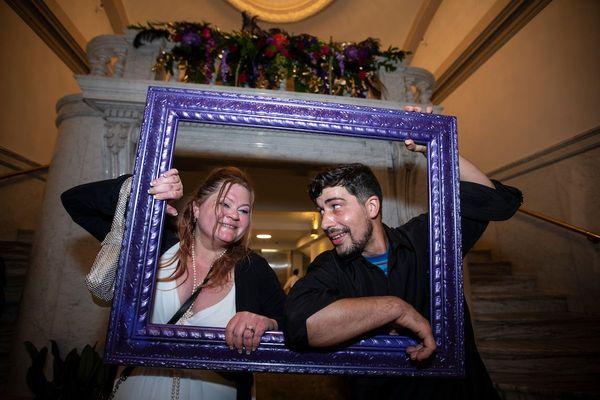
column 191, row 39
column 351, row 53
column 363, row 55
column 224, row 66
column 340, row 58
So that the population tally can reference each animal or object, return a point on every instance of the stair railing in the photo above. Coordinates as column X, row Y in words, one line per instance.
column 592, row 236
column 24, row 171
column 14, row 159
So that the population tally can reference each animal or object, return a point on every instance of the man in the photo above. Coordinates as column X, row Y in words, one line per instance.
column 378, row 276
column 291, row 281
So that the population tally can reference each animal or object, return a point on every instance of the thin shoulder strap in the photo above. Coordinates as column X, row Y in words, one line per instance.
column 188, row 303
column 184, row 307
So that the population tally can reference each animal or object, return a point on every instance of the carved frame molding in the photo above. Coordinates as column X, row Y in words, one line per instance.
column 133, row 340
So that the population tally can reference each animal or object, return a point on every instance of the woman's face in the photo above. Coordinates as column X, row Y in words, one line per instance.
column 232, row 218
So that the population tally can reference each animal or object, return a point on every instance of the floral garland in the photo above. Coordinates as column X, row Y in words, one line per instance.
column 270, row 59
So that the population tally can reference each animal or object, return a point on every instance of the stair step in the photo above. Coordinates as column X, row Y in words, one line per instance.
column 533, row 348
column 502, row 284
column 16, row 271
column 9, row 315
column 16, row 257
column 526, row 389
column 539, row 325
column 541, row 348
column 490, row 303
column 556, row 358
column 11, row 261
column 25, row 235
column 11, row 246
column 489, row 268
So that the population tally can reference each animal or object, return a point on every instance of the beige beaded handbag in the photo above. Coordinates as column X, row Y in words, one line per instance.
column 100, row 281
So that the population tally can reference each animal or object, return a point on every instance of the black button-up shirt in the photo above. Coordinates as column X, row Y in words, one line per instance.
column 330, row 277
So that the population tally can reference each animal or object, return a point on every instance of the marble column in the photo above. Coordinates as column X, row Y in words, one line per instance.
column 56, row 305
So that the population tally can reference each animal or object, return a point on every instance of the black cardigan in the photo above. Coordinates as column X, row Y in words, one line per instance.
column 257, row 290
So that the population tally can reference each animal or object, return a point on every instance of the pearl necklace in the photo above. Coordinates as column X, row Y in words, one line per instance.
column 189, row 313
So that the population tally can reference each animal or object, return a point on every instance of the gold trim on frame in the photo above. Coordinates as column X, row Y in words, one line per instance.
column 281, row 10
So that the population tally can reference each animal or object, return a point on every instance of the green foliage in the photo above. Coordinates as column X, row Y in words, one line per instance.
column 266, row 58
column 77, row 377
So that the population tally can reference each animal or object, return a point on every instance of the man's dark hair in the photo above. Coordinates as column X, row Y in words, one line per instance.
column 357, row 179
column 295, row 271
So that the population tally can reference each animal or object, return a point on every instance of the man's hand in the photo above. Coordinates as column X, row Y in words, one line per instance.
column 168, row 187
column 415, row 322
column 428, row 109
column 348, row 318
column 409, row 143
column 468, row 171
column 417, row 148
column 245, row 330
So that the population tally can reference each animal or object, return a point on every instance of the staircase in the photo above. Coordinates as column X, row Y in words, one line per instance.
column 15, row 255
column 533, row 347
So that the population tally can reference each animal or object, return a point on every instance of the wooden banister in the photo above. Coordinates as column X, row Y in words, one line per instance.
column 592, row 236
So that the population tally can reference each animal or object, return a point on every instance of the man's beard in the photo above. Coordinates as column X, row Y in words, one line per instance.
column 358, row 245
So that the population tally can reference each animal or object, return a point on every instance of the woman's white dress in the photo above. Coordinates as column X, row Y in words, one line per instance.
column 157, row 383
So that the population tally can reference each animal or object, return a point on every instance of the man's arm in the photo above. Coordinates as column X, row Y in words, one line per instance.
column 349, row 318
column 468, row 171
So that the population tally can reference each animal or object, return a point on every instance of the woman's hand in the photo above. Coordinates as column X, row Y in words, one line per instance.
column 245, row 330
column 167, row 187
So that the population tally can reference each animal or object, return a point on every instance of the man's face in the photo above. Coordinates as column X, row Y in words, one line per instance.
column 344, row 220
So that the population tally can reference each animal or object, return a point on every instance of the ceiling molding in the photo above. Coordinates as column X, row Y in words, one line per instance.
column 510, row 20
column 50, row 23
column 419, row 27
column 115, row 11
column 281, row 11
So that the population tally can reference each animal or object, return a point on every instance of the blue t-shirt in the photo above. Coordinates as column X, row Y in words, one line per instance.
column 380, row 261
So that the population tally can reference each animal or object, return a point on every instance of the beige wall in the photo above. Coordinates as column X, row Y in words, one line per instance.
column 541, row 88
column 344, row 20
column 35, row 79
column 88, row 15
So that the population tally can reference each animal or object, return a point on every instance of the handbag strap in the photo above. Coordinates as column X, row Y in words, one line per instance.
column 188, row 303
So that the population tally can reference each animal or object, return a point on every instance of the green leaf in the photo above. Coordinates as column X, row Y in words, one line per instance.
column 86, row 368
column 71, row 367
column 35, row 378
column 31, row 349
column 58, row 365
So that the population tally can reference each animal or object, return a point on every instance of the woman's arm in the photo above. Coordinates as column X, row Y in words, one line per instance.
column 92, row 205
column 262, row 305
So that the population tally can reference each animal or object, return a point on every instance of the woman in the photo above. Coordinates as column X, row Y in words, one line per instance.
column 240, row 291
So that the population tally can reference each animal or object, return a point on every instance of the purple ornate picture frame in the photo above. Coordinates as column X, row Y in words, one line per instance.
column 133, row 340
